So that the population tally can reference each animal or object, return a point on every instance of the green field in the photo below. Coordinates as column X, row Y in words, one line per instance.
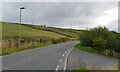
column 11, row 31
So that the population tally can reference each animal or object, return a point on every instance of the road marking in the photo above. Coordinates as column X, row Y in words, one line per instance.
column 66, row 51
column 57, row 67
column 66, row 60
column 61, row 60
column 63, row 55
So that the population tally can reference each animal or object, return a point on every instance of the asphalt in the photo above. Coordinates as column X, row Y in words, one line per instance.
column 44, row 58
column 53, row 57
column 81, row 59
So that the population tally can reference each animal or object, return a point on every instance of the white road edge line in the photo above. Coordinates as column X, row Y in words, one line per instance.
column 66, row 50
column 66, row 60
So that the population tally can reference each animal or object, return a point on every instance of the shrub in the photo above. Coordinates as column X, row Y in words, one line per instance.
column 86, row 39
column 60, row 40
column 112, row 44
column 99, row 44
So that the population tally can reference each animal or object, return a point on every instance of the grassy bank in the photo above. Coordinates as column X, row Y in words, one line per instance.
column 84, row 48
column 12, row 47
column 7, row 51
column 80, row 70
column 91, row 50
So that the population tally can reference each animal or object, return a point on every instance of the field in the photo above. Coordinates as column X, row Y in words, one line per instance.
column 11, row 31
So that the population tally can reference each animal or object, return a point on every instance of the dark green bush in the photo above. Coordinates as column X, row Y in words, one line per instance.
column 99, row 44
column 86, row 39
column 100, row 38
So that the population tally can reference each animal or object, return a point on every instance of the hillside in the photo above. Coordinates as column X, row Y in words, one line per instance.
column 11, row 31
column 72, row 33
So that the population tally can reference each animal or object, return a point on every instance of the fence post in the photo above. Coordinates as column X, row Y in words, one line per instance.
column 114, row 53
column 40, row 40
column 106, row 52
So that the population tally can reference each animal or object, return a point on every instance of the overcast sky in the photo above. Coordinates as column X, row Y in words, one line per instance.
column 76, row 15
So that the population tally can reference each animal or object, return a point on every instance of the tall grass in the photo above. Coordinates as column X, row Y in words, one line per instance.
column 9, row 47
column 12, row 47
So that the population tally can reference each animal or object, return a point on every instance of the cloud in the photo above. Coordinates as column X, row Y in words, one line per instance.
column 0, row 11
column 58, row 14
column 110, row 15
column 113, row 25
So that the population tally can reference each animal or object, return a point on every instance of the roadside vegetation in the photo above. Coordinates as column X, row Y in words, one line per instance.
column 101, row 41
column 91, row 50
column 84, row 48
column 81, row 70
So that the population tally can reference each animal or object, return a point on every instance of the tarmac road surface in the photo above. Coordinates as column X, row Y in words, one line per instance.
column 44, row 58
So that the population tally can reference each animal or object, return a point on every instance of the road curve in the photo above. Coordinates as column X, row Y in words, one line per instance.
column 44, row 58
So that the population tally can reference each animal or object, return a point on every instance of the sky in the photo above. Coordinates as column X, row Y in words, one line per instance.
column 75, row 15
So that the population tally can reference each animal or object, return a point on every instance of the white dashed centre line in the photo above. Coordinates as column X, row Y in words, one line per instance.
column 63, row 55
column 66, row 51
column 61, row 60
column 57, row 67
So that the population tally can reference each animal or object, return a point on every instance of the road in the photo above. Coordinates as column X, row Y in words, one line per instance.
column 78, row 59
column 44, row 58
column 53, row 57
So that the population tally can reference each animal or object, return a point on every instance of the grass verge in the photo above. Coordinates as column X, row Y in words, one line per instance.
column 12, row 47
column 90, row 50
column 80, row 70
column 9, row 51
